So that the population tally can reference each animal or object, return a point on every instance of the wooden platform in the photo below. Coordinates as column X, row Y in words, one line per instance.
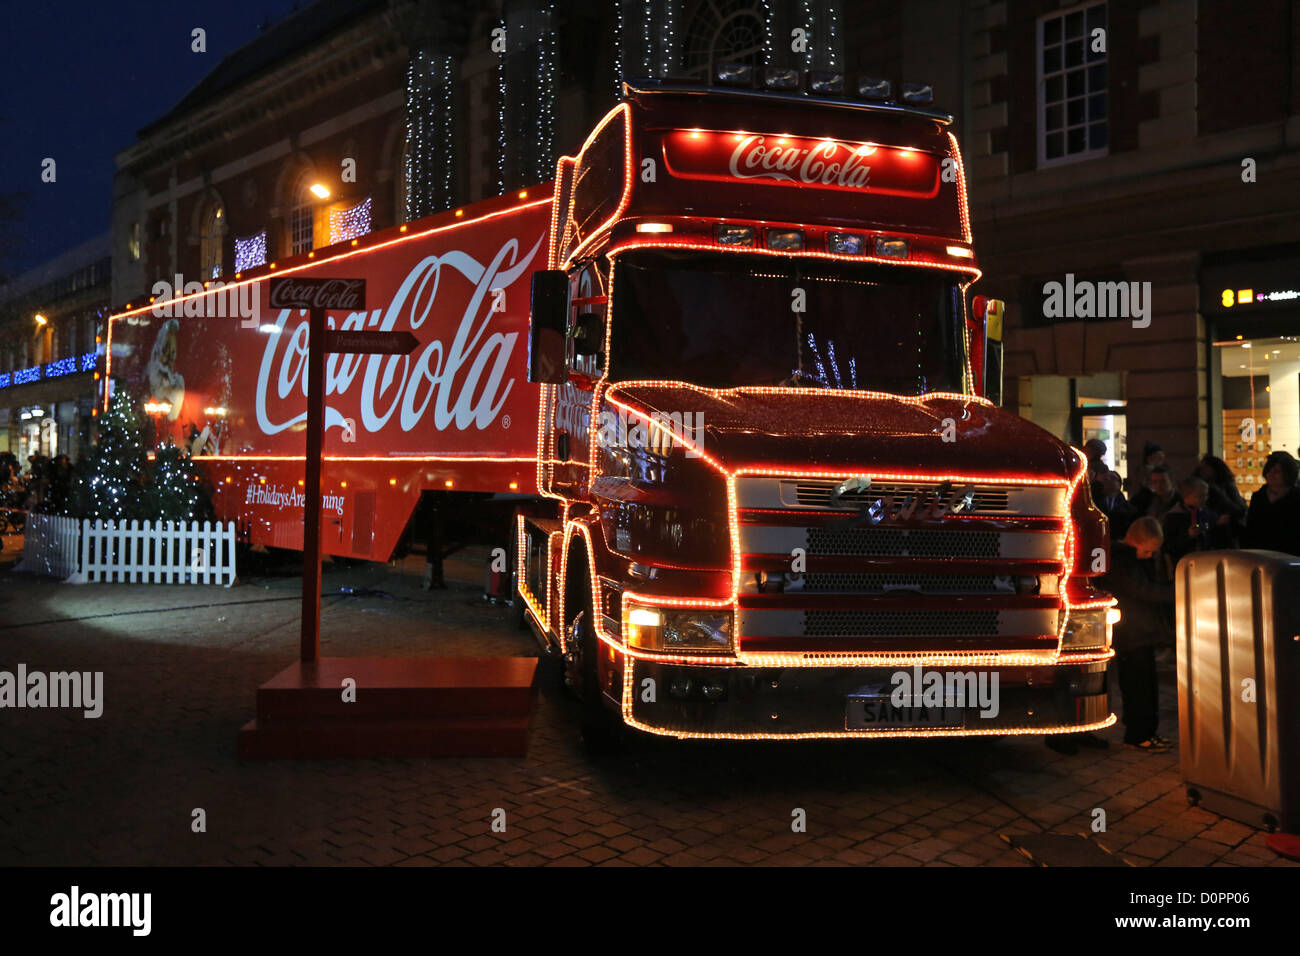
column 403, row 707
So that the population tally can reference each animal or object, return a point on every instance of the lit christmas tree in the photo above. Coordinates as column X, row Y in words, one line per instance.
column 175, row 491
column 113, row 482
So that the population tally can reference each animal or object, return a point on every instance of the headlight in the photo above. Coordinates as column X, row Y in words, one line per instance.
column 1090, row 629
column 663, row 629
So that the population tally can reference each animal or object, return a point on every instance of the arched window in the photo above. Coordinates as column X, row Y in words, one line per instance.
column 212, row 231
column 302, row 216
column 724, row 31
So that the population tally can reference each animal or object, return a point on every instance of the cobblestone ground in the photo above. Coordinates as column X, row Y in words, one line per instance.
column 181, row 665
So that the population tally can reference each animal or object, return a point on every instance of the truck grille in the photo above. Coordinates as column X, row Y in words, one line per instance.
column 920, row 583
column 990, row 499
column 926, row 561
column 902, row 542
column 933, row 623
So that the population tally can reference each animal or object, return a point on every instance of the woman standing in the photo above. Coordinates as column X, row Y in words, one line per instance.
column 1273, row 521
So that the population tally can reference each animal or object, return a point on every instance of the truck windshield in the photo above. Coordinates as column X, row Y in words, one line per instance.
column 730, row 320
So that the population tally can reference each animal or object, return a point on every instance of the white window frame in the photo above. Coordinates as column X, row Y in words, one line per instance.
column 302, row 217
column 1041, row 90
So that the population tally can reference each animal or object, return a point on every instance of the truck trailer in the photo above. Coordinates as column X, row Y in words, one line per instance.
column 730, row 364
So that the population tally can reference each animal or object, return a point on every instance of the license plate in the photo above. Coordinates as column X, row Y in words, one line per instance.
column 880, row 713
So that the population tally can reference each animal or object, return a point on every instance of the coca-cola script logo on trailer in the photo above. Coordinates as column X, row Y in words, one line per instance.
column 292, row 292
column 460, row 375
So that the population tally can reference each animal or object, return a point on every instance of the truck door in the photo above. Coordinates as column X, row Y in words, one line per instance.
column 572, row 411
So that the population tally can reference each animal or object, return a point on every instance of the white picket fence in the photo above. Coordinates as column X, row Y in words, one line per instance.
column 168, row 552
column 50, row 546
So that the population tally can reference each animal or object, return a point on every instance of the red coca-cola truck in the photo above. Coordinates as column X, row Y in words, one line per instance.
column 730, row 358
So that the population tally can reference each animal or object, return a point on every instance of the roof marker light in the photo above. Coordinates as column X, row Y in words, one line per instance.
column 918, row 94
column 729, row 235
column 781, row 78
column 821, row 81
column 787, row 240
column 654, row 227
column 874, row 88
column 845, row 243
column 891, row 248
column 733, row 74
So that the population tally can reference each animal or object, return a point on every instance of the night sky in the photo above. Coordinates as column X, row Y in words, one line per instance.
column 78, row 81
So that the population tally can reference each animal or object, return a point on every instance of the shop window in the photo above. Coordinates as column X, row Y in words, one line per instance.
column 1260, row 404
column 1072, row 85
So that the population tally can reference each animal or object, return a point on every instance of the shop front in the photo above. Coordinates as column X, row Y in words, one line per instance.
column 1251, row 302
column 47, row 410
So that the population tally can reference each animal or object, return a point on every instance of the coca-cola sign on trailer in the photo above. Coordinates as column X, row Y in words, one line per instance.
column 799, row 161
column 297, row 292
column 462, row 293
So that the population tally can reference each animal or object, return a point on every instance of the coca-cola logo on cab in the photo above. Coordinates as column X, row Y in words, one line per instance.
column 291, row 292
column 801, row 161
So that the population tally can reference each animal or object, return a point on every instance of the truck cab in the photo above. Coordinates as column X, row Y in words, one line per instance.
column 778, row 496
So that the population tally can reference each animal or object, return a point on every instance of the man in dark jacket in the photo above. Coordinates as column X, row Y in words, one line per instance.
column 1136, row 584
column 1114, row 505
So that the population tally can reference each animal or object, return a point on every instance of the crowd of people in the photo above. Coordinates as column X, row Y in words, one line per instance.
column 1165, row 520
column 46, row 484
column 1203, row 511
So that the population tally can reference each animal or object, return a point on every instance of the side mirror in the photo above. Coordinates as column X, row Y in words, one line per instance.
column 548, row 318
column 991, row 311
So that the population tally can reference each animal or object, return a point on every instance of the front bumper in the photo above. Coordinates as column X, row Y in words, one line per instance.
column 763, row 702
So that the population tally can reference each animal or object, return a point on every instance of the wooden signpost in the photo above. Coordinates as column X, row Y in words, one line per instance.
column 319, row 296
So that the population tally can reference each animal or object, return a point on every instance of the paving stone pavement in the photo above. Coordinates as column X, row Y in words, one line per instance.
column 181, row 665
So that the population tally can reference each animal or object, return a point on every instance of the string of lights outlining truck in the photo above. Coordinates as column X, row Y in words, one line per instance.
column 730, row 359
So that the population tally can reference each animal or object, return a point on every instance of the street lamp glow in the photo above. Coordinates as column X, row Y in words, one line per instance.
column 319, row 191
column 40, row 319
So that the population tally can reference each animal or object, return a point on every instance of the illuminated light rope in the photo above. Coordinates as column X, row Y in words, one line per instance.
column 541, row 616
column 989, row 659
column 311, row 264
column 798, row 659
column 563, row 170
column 629, row 167
column 631, row 721
column 961, row 188
column 447, row 458
column 625, row 245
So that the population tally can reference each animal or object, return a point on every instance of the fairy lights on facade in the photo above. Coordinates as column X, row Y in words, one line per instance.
column 429, row 165
column 250, row 252
column 350, row 223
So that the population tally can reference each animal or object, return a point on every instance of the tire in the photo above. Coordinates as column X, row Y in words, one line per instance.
column 602, row 729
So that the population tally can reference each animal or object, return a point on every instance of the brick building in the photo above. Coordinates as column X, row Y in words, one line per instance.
column 50, row 320
column 1170, row 157
column 1161, row 151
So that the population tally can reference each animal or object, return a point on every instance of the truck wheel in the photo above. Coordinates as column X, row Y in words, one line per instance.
column 602, row 730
